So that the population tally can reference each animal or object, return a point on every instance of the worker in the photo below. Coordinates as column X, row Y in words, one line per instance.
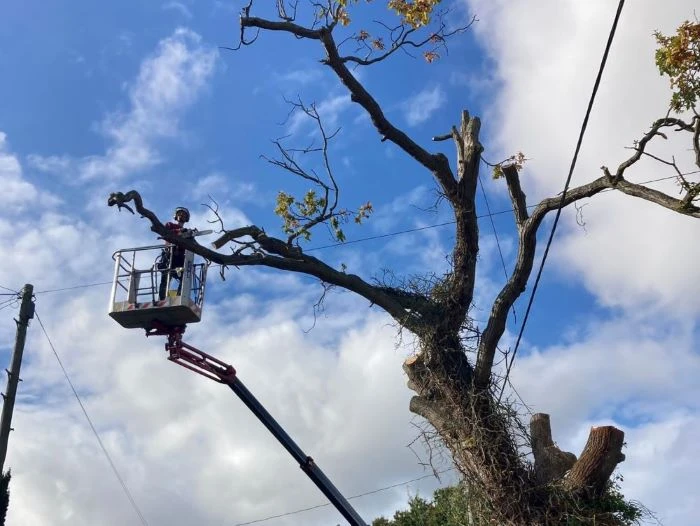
column 173, row 257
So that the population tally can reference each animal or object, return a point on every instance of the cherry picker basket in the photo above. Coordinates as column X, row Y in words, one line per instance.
column 141, row 274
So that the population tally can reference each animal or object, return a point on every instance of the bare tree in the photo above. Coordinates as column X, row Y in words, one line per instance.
column 454, row 393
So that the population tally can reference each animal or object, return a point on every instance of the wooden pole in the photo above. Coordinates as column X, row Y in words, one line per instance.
column 26, row 313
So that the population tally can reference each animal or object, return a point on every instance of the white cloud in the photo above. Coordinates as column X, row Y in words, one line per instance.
column 187, row 448
column 660, row 452
column 631, row 373
column 420, row 107
column 388, row 216
column 179, row 7
column 329, row 109
column 213, row 184
column 221, row 187
column 225, row 6
column 633, row 252
column 191, row 453
column 478, row 83
column 619, row 362
column 637, row 369
column 634, row 256
column 300, row 76
column 168, row 83
column 53, row 164
column 17, row 193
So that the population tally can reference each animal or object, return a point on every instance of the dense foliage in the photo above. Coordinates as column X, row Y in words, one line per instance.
column 454, row 506
column 678, row 56
column 448, row 508
column 4, row 495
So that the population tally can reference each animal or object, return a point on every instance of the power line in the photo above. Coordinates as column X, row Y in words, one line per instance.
column 8, row 288
column 10, row 302
column 493, row 227
column 608, row 45
column 381, row 236
column 369, row 238
column 405, row 483
column 489, row 214
column 498, row 243
column 74, row 287
column 92, row 426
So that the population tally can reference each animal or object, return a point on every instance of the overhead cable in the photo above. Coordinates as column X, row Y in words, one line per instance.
column 370, row 238
column 608, row 45
column 92, row 426
column 399, row 484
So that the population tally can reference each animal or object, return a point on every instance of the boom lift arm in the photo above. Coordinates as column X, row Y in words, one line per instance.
column 202, row 363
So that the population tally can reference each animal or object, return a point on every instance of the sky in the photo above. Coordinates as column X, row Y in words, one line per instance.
column 102, row 97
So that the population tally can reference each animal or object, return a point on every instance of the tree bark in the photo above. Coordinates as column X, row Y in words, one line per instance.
column 551, row 463
column 602, row 453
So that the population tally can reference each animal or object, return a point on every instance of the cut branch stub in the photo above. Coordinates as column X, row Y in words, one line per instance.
column 417, row 372
column 603, row 452
column 551, row 463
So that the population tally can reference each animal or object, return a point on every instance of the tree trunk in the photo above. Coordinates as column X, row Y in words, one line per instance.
column 473, row 429
column 479, row 434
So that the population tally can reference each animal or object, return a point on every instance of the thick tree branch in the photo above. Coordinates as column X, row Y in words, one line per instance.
column 551, row 463
column 286, row 26
column 682, row 206
column 527, row 230
column 275, row 253
column 696, row 140
column 436, row 163
column 517, row 196
column 430, row 411
column 466, row 247
column 588, row 474
column 602, row 453
column 526, row 253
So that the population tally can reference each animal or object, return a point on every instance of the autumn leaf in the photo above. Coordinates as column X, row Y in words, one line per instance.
column 416, row 13
column 678, row 57
column 377, row 43
column 430, row 56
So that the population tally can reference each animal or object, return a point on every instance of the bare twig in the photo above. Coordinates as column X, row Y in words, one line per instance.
column 436, row 163
column 400, row 40
column 528, row 230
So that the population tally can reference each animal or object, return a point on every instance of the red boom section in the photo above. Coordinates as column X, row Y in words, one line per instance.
column 190, row 357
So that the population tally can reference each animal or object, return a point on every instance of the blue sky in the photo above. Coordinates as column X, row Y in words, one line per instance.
column 229, row 122
column 98, row 98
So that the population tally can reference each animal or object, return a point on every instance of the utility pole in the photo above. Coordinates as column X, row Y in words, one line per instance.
column 26, row 313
